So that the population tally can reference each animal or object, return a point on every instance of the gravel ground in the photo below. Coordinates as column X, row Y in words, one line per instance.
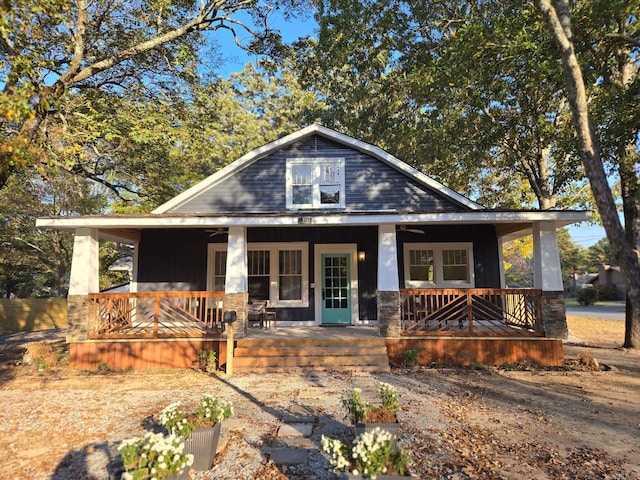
column 458, row 424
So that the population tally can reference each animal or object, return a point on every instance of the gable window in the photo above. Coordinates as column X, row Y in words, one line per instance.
column 438, row 265
column 315, row 183
column 277, row 272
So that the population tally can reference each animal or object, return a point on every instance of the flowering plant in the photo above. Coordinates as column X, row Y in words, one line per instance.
column 211, row 410
column 153, row 456
column 372, row 453
column 360, row 411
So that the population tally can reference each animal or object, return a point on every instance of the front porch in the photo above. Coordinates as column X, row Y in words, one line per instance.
column 488, row 312
column 457, row 327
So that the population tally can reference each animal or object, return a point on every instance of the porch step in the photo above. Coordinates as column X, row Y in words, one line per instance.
column 284, row 354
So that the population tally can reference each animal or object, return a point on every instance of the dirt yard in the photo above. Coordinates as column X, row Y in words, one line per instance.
column 509, row 423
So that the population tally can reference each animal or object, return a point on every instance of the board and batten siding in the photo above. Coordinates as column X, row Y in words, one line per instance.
column 369, row 184
column 173, row 260
column 485, row 248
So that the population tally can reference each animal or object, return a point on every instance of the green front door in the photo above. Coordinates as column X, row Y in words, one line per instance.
column 336, row 288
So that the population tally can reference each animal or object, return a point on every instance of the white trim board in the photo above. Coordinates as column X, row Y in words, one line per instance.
column 560, row 218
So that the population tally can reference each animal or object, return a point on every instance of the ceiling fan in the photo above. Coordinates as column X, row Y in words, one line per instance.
column 403, row 228
column 217, row 231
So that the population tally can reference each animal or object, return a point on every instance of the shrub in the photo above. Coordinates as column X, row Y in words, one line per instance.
column 411, row 356
column 606, row 293
column 207, row 361
column 46, row 356
column 587, row 296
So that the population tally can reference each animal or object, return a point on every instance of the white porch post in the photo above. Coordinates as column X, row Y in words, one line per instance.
column 388, row 279
column 388, row 282
column 547, row 276
column 133, row 287
column 503, row 282
column 84, row 279
column 85, row 263
column 236, row 293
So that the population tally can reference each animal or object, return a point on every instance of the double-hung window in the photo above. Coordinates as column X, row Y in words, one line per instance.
column 315, row 183
column 277, row 272
column 438, row 265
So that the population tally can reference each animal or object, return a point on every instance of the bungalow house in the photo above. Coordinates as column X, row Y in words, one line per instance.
column 330, row 231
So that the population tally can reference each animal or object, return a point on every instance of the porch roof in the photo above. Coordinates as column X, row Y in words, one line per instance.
column 510, row 224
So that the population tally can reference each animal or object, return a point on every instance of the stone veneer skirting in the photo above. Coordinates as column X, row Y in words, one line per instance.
column 77, row 317
column 554, row 315
column 238, row 302
column 389, row 314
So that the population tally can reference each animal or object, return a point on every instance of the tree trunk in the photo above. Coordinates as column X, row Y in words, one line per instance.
column 557, row 18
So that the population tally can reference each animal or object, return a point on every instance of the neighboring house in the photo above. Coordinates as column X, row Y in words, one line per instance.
column 610, row 277
column 331, row 231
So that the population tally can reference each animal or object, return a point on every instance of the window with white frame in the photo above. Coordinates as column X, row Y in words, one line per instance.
column 315, row 183
column 258, row 272
column 216, row 267
column 438, row 265
column 277, row 272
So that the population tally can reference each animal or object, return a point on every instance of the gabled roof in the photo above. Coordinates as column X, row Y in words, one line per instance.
column 314, row 129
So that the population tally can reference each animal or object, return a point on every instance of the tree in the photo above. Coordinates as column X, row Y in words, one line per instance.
column 448, row 89
column 37, row 263
column 557, row 15
column 599, row 254
column 59, row 55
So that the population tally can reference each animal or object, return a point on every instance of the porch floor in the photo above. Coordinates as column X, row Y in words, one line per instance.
column 314, row 332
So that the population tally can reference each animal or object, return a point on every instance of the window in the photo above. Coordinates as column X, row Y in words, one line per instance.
column 216, row 267
column 258, row 268
column 290, row 275
column 315, row 183
column 438, row 265
column 277, row 272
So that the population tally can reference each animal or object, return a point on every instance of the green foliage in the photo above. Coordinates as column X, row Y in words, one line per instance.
column 35, row 263
column 389, row 397
column 47, row 356
column 207, row 360
column 355, row 406
column 372, row 453
column 211, row 410
column 587, row 296
column 606, row 293
column 411, row 356
column 153, row 456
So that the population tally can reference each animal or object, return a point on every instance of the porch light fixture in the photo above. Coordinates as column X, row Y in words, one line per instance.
column 361, row 256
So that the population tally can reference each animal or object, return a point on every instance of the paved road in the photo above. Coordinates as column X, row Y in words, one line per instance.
column 605, row 312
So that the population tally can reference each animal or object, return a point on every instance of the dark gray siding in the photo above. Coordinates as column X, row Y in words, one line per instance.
column 171, row 260
column 370, row 184
column 177, row 259
column 365, row 237
column 485, row 248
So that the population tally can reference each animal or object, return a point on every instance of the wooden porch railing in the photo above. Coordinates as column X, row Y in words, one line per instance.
column 472, row 312
column 155, row 314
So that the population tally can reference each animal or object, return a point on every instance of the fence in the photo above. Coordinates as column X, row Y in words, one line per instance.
column 31, row 314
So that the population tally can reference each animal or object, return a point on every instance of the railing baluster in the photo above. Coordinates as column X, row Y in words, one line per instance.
column 496, row 312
